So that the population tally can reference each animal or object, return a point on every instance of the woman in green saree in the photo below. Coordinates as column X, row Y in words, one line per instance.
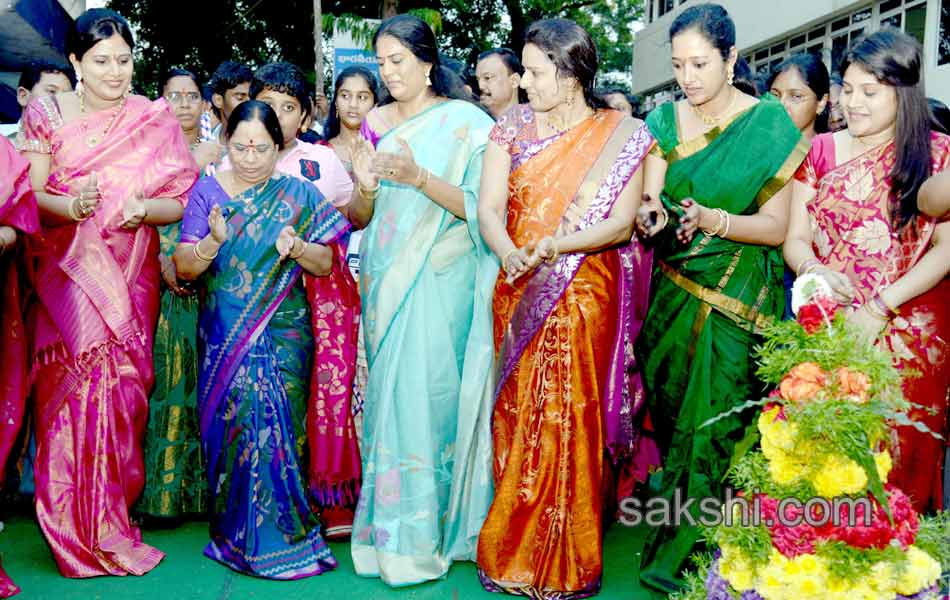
column 722, row 161
column 426, row 279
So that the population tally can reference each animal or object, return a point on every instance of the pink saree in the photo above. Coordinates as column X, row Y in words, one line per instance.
column 17, row 210
column 98, row 289
column 853, row 234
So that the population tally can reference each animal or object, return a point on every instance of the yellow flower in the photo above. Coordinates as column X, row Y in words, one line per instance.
column 884, row 464
column 837, row 476
column 921, row 572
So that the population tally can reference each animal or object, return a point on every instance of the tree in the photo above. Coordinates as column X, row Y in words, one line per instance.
column 259, row 31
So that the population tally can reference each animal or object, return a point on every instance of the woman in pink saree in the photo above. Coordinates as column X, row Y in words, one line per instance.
column 17, row 216
column 855, row 222
column 106, row 166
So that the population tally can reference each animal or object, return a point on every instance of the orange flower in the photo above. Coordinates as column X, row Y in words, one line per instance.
column 802, row 382
column 854, row 384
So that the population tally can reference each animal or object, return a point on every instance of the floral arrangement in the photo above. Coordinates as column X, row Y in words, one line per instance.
column 824, row 434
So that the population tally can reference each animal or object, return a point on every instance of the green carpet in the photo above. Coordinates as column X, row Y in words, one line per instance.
column 186, row 574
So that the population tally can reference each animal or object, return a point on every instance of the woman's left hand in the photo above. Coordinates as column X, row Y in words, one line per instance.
column 867, row 324
column 286, row 241
column 134, row 212
column 401, row 168
column 689, row 220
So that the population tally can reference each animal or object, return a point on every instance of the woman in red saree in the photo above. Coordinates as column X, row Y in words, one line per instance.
column 106, row 166
column 567, row 310
column 17, row 215
column 855, row 221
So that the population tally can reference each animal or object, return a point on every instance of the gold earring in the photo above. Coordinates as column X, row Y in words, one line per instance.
column 428, row 81
column 570, row 100
column 127, row 92
column 730, row 77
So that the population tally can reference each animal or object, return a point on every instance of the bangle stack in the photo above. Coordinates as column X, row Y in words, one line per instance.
column 881, row 309
column 368, row 194
column 722, row 226
column 807, row 266
column 200, row 256
column 557, row 253
column 504, row 260
column 73, row 212
column 423, row 179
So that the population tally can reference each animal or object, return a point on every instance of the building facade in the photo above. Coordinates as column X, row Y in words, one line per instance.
column 769, row 31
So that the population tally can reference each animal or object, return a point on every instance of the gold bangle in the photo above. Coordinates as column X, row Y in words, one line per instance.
column 666, row 218
column 557, row 253
column 72, row 211
column 806, row 265
column 504, row 261
column 885, row 304
column 199, row 256
column 875, row 310
column 368, row 194
column 728, row 225
column 303, row 248
column 719, row 224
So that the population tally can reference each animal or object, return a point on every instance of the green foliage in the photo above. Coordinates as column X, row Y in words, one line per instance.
column 854, row 564
column 695, row 588
column 933, row 537
column 751, row 473
column 754, row 542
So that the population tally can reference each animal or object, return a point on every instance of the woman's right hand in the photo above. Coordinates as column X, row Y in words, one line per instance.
column 363, row 154
column 841, row 285
column 650, row 216
column 170, row 276
column 7, row 238
column 516, row 263
column 86, row 203
column 217, row 224
column 206, row 153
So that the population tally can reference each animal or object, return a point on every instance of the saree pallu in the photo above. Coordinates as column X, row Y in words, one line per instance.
column 175, row 482
column 334, row 455
column 17, row 210
column 565, row 337
column 425, row 280
column 92, row 328
column 853, row 234
column 711, row 298
column 255, row 351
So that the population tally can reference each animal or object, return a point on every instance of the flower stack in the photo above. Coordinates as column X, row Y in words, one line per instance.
column 824, row 451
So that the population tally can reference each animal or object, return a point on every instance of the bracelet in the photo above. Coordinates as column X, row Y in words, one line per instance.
column 368, row 194
column 876, row 310
column 889, row 311
column 202, row 258
column 721, row 225
column 420, row 178
column 807, row 266
column 725, row 232
column 72, row 211
column 303, row 249
column 666, row 218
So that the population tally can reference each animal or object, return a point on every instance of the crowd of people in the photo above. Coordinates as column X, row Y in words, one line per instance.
column 552, row 296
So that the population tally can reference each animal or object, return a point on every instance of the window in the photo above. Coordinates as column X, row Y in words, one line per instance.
column 943, row 52
column 915, row 21
column 664, row 7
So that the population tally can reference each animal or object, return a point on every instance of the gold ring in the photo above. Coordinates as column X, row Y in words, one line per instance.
column 392, row 172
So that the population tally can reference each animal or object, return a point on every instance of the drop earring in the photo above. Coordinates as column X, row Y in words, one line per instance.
column 428, row 80
column 730, row 77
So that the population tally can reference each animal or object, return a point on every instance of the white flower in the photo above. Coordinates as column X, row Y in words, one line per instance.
column 807, row 288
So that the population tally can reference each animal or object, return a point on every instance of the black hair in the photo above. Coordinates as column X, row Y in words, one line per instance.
column 571, row 49
column 815, row 74
column 507, row 56
column 331, row 128
column 285, row 78
column 894, row 58
column 228, row 75
column 939, row 116
column 206, row 92
column 413, row 33
column 710, row 20
column 33, row 72
column 255, row 110
column 95, row 25
column 743, row 79
column 177, row 72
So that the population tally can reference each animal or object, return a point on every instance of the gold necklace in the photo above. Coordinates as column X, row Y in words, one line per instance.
column 93, row 140
column 563, row 125
column 710, row 120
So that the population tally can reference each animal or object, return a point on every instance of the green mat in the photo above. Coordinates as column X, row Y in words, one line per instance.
column 186, row 574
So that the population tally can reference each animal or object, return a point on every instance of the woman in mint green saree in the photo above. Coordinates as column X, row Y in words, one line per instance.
column 722, row 161
column 425, row 280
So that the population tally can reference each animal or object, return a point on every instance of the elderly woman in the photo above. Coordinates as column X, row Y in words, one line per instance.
column 250, row 233
column 425, row 284
column 106, row 166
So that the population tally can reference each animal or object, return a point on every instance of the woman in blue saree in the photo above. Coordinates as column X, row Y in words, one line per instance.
column 250, row 233
column 426, row 279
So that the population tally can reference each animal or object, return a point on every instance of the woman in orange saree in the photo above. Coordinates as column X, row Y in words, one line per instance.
column 565, row 399
column 17, row 215
column 855, row 222
column 106, row 166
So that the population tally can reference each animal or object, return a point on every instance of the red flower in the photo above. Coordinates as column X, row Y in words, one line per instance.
column 811, row 316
